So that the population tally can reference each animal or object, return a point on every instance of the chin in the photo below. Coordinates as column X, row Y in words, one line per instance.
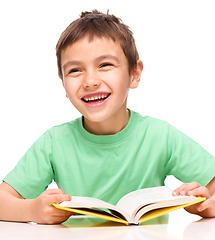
column 94, row 119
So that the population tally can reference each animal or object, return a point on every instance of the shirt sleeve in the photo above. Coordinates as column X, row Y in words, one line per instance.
column 33, row 173
column 187, row 160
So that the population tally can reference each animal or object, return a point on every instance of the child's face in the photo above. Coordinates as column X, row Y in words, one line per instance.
column 96, row 78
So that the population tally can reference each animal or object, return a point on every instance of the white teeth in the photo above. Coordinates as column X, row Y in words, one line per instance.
column 87, row 99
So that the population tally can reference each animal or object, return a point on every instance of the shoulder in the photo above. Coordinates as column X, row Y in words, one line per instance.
column 63, row 130
column 72, row 125
column 151, row 123
column 151, row 130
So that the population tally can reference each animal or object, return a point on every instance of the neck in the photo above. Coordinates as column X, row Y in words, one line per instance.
column 109, row 126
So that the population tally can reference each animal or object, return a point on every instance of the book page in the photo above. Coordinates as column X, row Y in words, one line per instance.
column 161, row 211
column 131, row 201
column 93, row 212
column 82, row 202
column 88, row 202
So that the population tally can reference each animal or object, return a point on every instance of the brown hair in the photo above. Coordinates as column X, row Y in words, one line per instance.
column 98, row 24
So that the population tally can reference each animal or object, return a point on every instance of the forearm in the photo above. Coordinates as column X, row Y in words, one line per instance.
column 211, row 187
column 13, row 208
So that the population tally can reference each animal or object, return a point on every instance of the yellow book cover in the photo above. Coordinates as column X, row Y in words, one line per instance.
column 133, row 208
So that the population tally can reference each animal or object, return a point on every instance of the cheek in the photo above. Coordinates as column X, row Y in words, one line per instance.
column 116, row 79
column 122, row 83
column 70, row 87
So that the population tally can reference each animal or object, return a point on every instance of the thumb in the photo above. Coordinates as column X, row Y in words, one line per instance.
column 58, row 198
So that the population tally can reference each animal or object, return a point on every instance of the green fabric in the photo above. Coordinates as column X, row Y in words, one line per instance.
column 108, row 167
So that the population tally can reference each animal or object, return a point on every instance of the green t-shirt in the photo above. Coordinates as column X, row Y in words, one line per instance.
column 108, row 167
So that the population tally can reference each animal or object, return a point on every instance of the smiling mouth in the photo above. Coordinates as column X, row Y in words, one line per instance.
column 95, row 98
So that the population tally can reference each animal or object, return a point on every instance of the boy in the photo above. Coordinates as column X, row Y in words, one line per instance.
column 111, row 150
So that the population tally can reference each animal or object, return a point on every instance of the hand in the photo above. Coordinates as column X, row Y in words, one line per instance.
column 205, row 209
column 42, row 211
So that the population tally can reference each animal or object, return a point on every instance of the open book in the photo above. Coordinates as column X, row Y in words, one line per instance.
column 133, row 208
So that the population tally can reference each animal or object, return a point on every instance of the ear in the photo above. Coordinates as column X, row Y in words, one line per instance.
column 136, row 75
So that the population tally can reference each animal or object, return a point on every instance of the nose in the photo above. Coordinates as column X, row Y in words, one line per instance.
column 91, row 81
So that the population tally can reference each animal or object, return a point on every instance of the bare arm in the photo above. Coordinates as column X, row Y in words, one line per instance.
column 13, row 207
column 211, row 186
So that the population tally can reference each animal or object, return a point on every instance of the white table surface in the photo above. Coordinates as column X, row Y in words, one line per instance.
column 180, row 225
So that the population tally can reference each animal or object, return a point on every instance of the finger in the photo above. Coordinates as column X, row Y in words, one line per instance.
column 54, row 191
column 206, row 204
column 56, row 219
column 62, row 197
column 61, row 213
column 200, row 191
column 56, row 195
column 184, row 188
column 179, row 190
column 57, row 198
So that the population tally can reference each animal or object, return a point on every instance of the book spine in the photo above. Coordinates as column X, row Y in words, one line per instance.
column 133, row 224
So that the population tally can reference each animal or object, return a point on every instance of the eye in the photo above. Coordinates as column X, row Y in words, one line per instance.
column 74, row 70
column 103, row 65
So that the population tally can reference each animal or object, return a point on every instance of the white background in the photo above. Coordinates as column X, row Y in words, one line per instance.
column 175, row 40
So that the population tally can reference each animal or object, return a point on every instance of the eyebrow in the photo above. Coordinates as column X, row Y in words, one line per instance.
column 100, row 58
column 70, row 63
column 107, row 56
